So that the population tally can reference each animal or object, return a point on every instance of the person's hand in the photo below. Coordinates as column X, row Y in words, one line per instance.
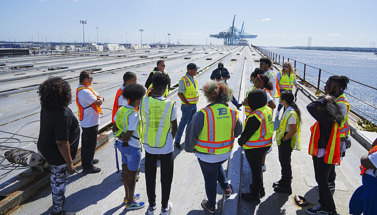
column 71, row 169
column 245, row 102
column 122, row 137
column 328, row 98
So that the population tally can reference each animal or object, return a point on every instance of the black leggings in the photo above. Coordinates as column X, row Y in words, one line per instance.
column 254, row 158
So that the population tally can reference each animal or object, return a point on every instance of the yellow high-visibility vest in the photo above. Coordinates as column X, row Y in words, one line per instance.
column 247, row 108
column 286, row 82
column 156, row 119
column 122, row 121
column 192, row 90
column 217, row 135
column 344, row 127
column 263, row 136
column 296, row 138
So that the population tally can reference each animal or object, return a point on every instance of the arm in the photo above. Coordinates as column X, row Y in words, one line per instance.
column 213, row 75
column 252, row 126
column 182, row 97
column 149, row 80
column 271, row 104
column 99, row 101
column 317, row 110
column 174, row 126
column 292, row 131
column 125, row 137
column 65, row 151
column 238, row 129
column 226, row 74
column 193, row 131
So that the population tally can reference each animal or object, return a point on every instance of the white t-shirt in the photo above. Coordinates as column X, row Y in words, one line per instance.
column 373, row 159
column 133, row 122
column 269, row 97
column 273, row 81
column 86, row 98
column 291, row 119
column 168, row 147
column 121, row 100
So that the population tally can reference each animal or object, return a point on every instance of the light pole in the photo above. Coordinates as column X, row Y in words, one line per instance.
column 141, row 38
column 83, row 22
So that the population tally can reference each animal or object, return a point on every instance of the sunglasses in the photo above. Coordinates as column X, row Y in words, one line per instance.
column 285, row 66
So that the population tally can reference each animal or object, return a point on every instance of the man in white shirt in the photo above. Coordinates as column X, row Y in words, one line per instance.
column 265, row 64
column 88, row 102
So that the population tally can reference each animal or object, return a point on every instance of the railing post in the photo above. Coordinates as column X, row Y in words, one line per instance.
column 319, row 78
column 283, row 59
column 279, row 59
column 295, row 65
column 304, row 71
column 288, row 59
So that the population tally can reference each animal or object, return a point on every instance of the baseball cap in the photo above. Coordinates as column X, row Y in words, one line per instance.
column 192, row 66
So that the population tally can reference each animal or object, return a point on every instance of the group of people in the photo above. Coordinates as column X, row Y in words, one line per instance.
column 143, row 118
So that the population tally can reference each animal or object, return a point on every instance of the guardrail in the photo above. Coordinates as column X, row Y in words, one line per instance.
column 315, row 76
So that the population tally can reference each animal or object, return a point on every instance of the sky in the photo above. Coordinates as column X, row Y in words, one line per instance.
column 277, row 23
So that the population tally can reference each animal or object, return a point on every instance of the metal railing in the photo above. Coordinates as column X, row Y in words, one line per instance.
column 315, row 76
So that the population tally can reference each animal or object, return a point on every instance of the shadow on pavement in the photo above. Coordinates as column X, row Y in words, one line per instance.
column 91, row 195
column 273, row 204
column 312, row 197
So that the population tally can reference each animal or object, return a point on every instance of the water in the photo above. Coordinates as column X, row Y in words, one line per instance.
column 358, row 66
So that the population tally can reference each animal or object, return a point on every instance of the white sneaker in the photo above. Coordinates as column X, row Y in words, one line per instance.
column 168, row 210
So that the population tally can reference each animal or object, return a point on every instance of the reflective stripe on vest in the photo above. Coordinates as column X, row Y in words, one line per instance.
column 192, row 91
column 296, row 138
column 166, row 93
column 263, row 136
column 332, row 153
column 247, row 108
column 217, row 135
column 80, row 108
column 277, row 90
column 116, row 104
column 156, row 116
column 371, row 151
column 122, row 121
column 286, row 82
column 345, row 127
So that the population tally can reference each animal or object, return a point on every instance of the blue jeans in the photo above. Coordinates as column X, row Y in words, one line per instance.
column 187, row 114
column 213, row 173
column 130, row 156
column 364, row 198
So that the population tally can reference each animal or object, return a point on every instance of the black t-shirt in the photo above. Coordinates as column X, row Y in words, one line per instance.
column 57, row 125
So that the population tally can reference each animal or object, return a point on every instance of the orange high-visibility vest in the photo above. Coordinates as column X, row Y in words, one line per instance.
column 116, row 105
column 345, row 126
column 277, row 92
column 81, row 109
column 332, row 154
column 371, row 151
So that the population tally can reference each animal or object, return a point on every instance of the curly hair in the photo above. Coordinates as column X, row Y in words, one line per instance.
column 217, row 92
column 134, row 92
column 55, row 93
column 160, row 80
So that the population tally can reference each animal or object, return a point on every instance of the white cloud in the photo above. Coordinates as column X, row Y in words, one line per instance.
column 333, row 35
column 267, row 19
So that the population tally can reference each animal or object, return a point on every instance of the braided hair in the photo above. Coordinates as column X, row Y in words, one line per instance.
column 288, row 97
column 266, row 81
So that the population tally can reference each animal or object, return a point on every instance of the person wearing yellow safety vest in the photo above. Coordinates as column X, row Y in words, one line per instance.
column 211, row 135
column 286, row 79
column 159, row 69
column 335, row 87
column 324, row 147
column 288, row 137
column 128, row 78
column 128, row 130
column 363, row 200
column 159, row 118
column 261, row 85
column 256, row 140
column 89, row 108
column 188, row 92
column 265, row 64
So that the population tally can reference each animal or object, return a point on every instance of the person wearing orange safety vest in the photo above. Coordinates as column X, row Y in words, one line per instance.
column 119, row 101
column 89, row 108
column 256, row 140
column 363, row 200
column 335, row 86
column 210, row 135
column 324, row 146
column 188, row 92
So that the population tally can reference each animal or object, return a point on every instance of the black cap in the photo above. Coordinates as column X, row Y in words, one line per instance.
column 192, row 66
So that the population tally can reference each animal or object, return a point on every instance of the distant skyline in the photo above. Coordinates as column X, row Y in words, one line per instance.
column 277, row 23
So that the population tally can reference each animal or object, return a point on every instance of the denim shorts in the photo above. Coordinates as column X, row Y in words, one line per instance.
column 130, row 156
